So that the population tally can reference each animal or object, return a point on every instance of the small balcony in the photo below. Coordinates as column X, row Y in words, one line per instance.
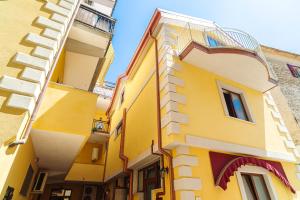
column 95, row 19
column 91, row 32
column 230, row 53
column 100, row 126
column 100, row 132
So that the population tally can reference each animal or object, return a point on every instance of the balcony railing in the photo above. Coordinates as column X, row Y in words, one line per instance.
column 95, row 19
column 105, row 90
column 216, row 37
column 100, row 126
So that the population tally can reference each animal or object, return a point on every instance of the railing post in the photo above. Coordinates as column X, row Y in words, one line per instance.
column 189, row 26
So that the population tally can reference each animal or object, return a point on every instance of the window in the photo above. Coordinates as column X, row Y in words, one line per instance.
column 60, row 194
column 255, row 187
column 235, row 105
column 234, row 102
column 295, row 70
column 213, row 42
column 27, row 181
column 122, row 97
column 119, row 129
column 149, row 179
column 9, row 193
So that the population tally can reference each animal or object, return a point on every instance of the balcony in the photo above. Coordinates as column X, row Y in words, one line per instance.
column 100, row 132
column 91, row 32
column 95, row 19
column 230, row 53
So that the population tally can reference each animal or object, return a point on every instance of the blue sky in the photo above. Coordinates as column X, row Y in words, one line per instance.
column 275, row 23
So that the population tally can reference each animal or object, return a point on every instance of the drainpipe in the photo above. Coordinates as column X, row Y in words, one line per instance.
column 25, row 136
column 159, row 194
column 159, row 135
column 125, row 158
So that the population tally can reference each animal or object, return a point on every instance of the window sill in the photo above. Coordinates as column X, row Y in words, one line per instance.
column 241, row 120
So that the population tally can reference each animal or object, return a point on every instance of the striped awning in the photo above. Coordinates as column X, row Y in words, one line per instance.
column 224, row 166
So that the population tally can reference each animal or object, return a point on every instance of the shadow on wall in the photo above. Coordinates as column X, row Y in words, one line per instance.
column 65, row 109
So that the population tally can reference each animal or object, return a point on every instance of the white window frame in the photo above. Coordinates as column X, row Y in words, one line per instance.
column 255, row 170
column 243, row 96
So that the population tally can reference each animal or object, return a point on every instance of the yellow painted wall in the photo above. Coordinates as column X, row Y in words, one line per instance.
column 114, row 164
column 108, row 61
column 16, row 21
column 207, row 117
column 84, row 169
column 210, row 191
column 141, row 122
column 85, row 154
column 58, row 73
column 14, row 164
column 65, row 109
column 140, row 103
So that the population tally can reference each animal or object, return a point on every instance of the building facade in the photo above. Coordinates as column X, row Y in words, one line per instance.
column 202, row 112
column 54, row 56
column 196, row 116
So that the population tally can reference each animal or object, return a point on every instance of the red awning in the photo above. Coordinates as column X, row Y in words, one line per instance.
column 224, row 166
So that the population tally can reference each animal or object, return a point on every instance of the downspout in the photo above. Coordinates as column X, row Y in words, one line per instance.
column 159, row 135
column 125, row 158
column 158, row 194
column 25, row 136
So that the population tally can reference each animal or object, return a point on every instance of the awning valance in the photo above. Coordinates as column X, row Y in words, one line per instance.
column 224, row 166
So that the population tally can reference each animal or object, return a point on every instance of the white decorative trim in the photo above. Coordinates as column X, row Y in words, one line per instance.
column 173, row 128
column 42, row 41
column 185, row 171
column 172, row 96
column 144, row 159
column 200, row 142
column 21, row 102
column 182, row 150
column 187, row 184
column 43, row 53
column 33, row 75
column 32, row 61
column 255, row 170
column 71, row 1
column 171, row 106
column 282, row 128
column 60, row 10
column 187, row 195
column 19, row 86
column 48, row 23
column 174, row 117
column 60, row 19
column 52, row 34
column 185, row 160
column 166, row 64
column 66, row 5
column 289, row 143
column 169, row 88
column 171, row 79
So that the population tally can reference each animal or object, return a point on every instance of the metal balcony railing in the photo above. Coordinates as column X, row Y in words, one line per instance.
column 95, row 19
column 100, row 126
column 105, row 90
column 216, row 37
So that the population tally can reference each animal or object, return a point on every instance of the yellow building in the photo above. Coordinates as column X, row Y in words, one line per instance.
column 195, row 115
column 54, row 57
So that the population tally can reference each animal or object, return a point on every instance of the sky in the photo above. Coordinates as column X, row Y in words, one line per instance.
column 274, row 23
